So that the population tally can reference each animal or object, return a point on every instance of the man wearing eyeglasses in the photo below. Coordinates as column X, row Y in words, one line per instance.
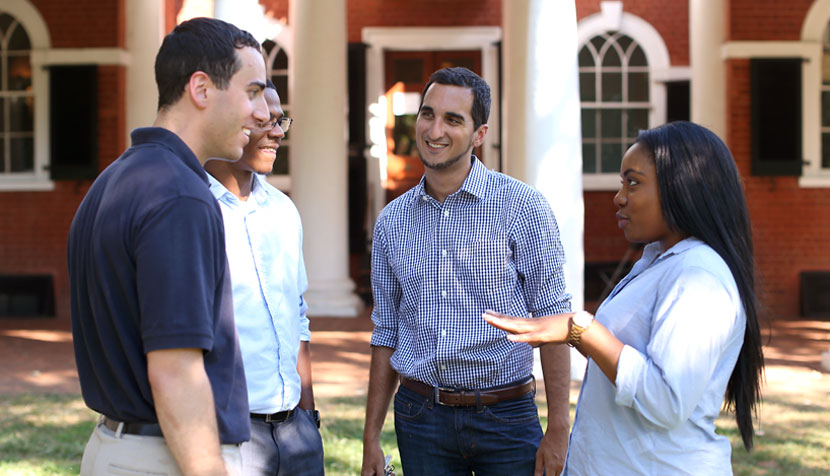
column 263, row 238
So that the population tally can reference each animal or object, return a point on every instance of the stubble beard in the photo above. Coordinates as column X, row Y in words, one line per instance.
column 447, row 163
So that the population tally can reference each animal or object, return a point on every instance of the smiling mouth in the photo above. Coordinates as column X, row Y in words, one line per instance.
column 270, row 148
column 435, row 145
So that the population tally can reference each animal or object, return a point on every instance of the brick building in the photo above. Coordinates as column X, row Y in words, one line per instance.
column 75, row 77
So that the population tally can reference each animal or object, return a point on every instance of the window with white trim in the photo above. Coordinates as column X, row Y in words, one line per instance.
column 16, row 99
column 614, row 97
column 277, row 63
column 825, row 100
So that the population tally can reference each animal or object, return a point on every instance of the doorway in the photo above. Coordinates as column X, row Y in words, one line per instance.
column 406, row 73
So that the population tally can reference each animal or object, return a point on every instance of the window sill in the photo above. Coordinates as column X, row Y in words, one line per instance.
column 814, row 181
column 26, row 184
column 600, row 182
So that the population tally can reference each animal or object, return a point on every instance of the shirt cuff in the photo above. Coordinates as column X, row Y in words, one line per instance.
column 383, row 337
column 630, row 366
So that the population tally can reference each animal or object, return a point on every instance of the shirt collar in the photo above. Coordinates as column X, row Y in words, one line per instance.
column 652, row 250
column 168, row 139
column 475, row 184
column 259, row 193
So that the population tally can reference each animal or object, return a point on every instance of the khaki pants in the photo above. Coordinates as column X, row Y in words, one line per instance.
column 108, row 454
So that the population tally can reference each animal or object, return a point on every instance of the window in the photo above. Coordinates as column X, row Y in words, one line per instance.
column 614, row 94
column 277, row 63
column 16, row 99
column 825, row 100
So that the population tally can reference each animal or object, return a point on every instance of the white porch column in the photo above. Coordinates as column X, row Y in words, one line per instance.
column 319, row 153
column 144, row 32
column 542, row 131
column 707, row 32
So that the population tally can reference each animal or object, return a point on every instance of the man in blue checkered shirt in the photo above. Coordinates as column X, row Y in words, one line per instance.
column 463, row 240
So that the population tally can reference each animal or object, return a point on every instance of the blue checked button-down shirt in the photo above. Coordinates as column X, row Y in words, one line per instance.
column 264, row 237
column 436, row 267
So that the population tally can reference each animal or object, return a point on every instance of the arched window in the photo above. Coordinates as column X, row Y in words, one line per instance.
column 614, row 95
column 277, row 64
column 16, row 99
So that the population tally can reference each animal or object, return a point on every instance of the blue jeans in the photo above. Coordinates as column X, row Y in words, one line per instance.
column 289, row 448
column 495, row 439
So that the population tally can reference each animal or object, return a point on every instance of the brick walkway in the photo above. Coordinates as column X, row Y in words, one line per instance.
column 36, row 354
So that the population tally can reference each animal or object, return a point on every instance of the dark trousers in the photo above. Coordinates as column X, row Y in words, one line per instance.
column 289, row 448
column 497, row 439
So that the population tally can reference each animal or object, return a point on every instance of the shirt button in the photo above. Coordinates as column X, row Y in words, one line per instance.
column 443, row 333
column 424, row 198
column 446, row 213
column 443, row 252
column 443, row 367
column 443, row 294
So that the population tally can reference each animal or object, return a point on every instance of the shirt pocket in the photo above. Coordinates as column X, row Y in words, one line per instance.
column 487, row 273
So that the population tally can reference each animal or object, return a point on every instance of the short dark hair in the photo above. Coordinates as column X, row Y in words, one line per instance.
column 199, row 44
column 460, row 76
column 701, row 194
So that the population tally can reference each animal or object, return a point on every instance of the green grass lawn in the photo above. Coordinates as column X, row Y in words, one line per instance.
column 45, row 435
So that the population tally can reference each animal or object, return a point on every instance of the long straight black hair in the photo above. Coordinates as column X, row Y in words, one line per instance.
column 701, row 194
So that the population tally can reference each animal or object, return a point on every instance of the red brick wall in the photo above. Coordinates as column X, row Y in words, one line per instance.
column 669, row 18
column 34, row 225
column 766, row 19
column 604, row 242
column 83, row 23
column 790, row 224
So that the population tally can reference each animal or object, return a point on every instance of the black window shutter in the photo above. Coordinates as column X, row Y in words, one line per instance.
column 73, row 122
column 776, row 116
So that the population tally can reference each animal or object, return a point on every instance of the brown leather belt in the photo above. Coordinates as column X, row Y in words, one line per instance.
column 143, row 429
column 469, row 398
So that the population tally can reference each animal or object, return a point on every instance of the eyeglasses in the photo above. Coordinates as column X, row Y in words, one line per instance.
column 283, row 122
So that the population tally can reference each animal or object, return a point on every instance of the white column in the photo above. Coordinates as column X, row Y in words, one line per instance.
column 707, row 32
column 542, row 136
column 319, row 152
column 144, row 32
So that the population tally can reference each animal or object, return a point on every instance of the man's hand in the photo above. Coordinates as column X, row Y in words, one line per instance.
column 550, row 458
column 373, row 461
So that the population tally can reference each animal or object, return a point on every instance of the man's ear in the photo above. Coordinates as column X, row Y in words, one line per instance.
column 479, row 135
column 197, row 88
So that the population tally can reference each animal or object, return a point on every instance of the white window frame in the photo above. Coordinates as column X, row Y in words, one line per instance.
column 612, row 18
column 811, row 46
column 32, row 22
column 284, row 42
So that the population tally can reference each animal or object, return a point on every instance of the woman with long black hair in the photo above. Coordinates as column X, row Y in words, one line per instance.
column 677, row 335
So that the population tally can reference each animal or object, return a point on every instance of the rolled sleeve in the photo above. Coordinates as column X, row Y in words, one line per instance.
column 692, row 328
column 386, row 292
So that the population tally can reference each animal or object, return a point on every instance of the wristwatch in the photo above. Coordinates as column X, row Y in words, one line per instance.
column 577, row 324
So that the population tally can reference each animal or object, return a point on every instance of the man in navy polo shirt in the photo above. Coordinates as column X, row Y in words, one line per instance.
column 152, row 319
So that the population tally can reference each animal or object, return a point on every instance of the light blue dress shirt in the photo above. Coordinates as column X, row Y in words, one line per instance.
column 682, row 321
column 493, row 244
column 263, row 238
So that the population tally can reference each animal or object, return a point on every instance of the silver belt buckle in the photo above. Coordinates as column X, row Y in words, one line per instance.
column 437, row 394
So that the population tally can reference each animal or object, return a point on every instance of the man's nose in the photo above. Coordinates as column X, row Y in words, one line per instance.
column 276, row 132
column 260, row 113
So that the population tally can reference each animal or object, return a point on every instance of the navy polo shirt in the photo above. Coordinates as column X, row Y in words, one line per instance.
column 148, row 271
